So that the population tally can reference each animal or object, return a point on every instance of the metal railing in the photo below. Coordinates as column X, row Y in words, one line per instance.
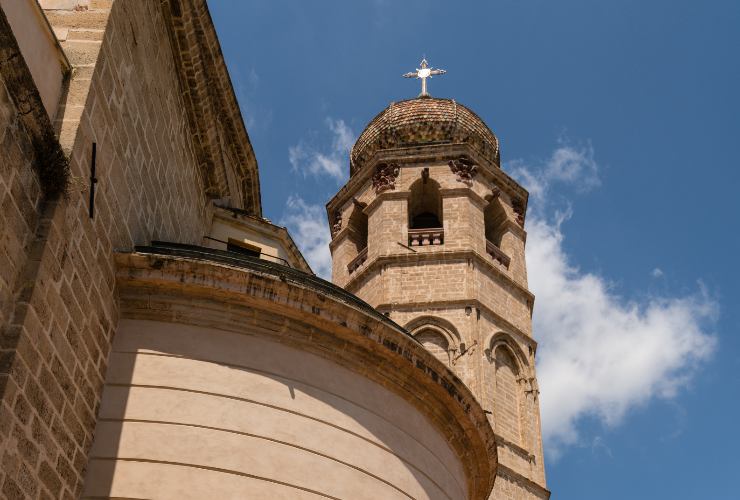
column 262, row 255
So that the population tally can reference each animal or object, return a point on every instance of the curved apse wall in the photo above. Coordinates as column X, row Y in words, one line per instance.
column 194, row 412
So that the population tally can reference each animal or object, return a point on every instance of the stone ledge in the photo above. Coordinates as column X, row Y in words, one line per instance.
column 424, row 154
column 510, row 328
column 441, row 255
column 538, row 490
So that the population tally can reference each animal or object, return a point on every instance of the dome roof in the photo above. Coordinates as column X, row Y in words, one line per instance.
column 423, row 120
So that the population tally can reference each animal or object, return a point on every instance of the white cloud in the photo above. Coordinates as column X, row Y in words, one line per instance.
column 334, row 163
column 567, row 164
column 657, row 273
column 309, row 228
column 600, row 355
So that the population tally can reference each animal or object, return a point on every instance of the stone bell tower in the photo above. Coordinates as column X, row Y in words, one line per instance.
column 430, row 230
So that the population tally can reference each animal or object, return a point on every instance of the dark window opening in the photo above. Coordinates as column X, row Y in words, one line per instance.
column 243, row 248
column 425, row 205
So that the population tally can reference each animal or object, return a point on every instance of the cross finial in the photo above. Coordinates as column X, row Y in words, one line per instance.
column 424, row 72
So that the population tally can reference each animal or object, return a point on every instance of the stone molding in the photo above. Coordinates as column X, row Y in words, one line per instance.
column 161, row 287
column 487, row 172
column 435, row 254
column 541, row 492
column 508, row 328
column 211, row 102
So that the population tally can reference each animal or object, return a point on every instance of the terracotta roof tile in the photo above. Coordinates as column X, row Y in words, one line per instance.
column 424, row 120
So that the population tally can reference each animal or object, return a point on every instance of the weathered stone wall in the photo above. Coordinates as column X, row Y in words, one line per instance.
column 59, row 305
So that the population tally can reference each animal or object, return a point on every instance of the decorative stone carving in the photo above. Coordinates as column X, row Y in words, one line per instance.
column 532, row 387
column 464, row 168
column 337, row 225
column 495, row 193
column 518, row 205
column 385, row 177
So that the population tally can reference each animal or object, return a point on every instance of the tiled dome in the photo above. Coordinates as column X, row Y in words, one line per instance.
column 424, row 120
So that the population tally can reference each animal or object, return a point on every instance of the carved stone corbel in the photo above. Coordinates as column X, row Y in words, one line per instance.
column 518, row 205
column 337, row 225
column 495, row 193
column 384, row 177
column 464, row 168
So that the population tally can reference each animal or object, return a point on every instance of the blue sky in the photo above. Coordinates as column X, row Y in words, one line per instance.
column 622, row 118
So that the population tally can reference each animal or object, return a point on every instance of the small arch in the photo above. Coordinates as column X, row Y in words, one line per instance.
column 441, row 325
column 494, row 217
column 357, row 227
column 434, row 342
column 505, row 339
column 425, row 205
column 507, row 397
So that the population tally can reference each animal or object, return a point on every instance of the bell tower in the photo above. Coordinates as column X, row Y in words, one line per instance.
column 430, row 231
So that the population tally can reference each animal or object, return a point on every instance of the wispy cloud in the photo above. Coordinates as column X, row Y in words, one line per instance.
column 333, row 162
column 308, row 227
column 255, row 114
column 569, row 164
column 600, row 355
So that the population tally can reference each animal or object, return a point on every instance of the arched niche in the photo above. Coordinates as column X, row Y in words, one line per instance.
column 494, row 217
column 441, row 325
column 434, row 342
column 512, row 374
column 357, row 227
column 425, row 205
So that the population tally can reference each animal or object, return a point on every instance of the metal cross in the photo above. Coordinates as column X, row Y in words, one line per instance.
column 424, row 72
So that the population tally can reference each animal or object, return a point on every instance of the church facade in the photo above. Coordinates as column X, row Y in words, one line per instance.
column 162, row 339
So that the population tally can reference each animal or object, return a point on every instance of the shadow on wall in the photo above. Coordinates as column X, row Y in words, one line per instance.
column 193, row 412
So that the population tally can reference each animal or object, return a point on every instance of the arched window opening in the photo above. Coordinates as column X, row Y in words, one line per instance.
column 425, row 205
column 435, row 343
column 358, row 228
column 495, row 222
column 507, row 398
column 494, row 217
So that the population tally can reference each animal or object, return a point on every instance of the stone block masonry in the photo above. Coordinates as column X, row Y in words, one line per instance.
column 58, row 298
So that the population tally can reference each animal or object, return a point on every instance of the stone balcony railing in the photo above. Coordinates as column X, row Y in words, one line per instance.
column 497, row 254
column 425, row 237
column 357, row 261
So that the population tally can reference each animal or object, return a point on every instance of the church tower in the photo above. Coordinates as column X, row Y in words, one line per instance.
column 430, row 231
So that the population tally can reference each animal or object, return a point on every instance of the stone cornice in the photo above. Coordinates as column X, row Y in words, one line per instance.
column 211, row 104
column 542, row 492
column 509, row 328
column 439, row 255
column 293, row 309
column 522, row 452
column 428, row 153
